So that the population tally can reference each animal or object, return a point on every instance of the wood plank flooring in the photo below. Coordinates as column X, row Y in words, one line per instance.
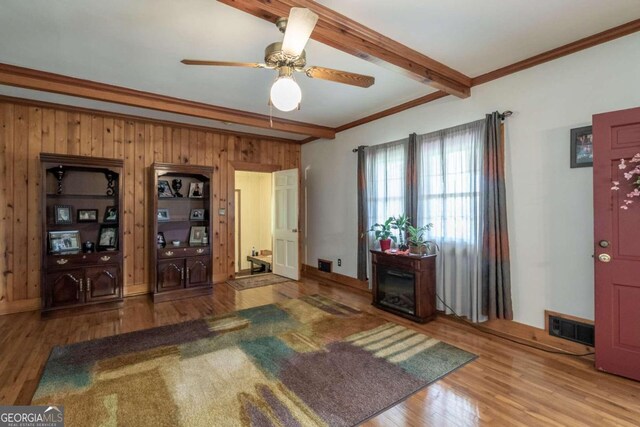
column 507, row 385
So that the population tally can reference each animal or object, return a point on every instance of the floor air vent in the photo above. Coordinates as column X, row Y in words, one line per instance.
column 324, row 265
column 571, row 330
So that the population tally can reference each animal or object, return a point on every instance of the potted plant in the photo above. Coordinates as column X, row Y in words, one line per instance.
column 418, row 243
column 400, row 223
column 383, row 233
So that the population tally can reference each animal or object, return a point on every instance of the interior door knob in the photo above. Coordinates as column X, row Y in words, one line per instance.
column 604, row 257
column 295, row 230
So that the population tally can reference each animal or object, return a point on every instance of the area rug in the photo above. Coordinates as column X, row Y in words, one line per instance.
column 251, row 282
column 302, row 362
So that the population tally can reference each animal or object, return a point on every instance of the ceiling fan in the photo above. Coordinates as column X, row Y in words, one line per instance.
column 289, row 56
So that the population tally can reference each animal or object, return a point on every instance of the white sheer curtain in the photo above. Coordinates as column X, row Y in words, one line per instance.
column 386, row 177
column 449, row 171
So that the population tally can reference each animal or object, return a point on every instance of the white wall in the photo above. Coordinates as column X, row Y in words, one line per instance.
column 549, row 205
column 255, row 214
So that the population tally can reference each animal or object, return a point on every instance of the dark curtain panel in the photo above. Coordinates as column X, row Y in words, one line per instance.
column 363, row 246
column 412, row 180
column 496, row 275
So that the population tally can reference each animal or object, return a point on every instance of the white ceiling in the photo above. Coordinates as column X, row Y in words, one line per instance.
column 139, row 43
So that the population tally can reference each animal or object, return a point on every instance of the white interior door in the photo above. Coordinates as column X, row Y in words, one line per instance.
column 285, row 223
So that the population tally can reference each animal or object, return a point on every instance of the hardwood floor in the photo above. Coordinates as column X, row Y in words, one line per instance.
column 507, row 385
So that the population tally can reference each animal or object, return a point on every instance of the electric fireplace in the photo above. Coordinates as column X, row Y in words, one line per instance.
column 404, row 284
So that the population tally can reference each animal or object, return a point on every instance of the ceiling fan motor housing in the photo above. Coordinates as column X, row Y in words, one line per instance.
column 274, row 57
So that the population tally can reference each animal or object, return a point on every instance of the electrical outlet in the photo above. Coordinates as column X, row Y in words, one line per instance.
column 339, row 262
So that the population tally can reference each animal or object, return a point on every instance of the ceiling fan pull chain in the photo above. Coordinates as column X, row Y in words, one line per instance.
column 270, row 113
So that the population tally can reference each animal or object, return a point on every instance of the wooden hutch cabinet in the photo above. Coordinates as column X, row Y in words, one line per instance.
column 81, row 239
column 405, row 285
column 180, row 212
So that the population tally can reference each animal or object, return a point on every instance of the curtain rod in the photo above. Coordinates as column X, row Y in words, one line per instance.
column 503, row 115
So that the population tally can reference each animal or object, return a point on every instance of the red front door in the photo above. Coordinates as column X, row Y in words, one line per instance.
column 616, row 136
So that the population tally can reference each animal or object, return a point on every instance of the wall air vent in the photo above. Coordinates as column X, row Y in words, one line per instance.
column 324, row 265
column 571, row 330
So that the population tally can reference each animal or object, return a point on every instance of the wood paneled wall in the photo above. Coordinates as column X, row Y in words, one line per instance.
column 26, row 130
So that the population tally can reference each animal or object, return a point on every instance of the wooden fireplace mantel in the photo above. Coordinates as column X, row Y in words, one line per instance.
column 423, row 270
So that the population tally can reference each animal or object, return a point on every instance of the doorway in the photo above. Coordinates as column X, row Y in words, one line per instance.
column 253, row 223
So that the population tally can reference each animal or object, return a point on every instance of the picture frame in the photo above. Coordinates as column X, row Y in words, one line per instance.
column 196, row 190
column 582, row 147
column 196, row 234
column 160, row 240
column 164, row 189
column 197, row 214
column 108, row 238
column 64, row 242
column 62, row 214
column 163, row 214
column 87, row 215
column 111, row 214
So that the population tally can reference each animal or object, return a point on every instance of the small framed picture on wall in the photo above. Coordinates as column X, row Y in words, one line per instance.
column 196, row 190
column 582, row 147
column 62, row 214
column 87, row 215
column 111, row 214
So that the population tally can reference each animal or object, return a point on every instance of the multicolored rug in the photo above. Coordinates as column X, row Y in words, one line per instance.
column 251, row 282
column 302, row 362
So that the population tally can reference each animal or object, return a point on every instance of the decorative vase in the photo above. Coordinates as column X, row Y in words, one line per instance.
column 385, row 245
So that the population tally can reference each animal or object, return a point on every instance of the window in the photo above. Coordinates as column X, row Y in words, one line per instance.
column 449, row 166
column 386, row 177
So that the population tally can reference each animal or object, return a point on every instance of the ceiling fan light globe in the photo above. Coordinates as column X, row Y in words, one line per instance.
column 285, row 94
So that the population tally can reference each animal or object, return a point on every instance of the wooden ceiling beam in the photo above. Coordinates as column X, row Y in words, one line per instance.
column 49, row 82
column 347, row 35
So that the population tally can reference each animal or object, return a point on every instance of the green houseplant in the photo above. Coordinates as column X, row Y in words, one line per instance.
column 400, row 223
column 383, row 233
column 418, row 243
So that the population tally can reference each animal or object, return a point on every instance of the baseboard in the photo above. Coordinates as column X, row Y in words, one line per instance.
column 341, row 279
column 137, row 289
column 525, row 334
column 19, row 306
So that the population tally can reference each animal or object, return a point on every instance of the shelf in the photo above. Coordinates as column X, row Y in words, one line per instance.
column 174, row 221
column 181, row 199
column 81, row 196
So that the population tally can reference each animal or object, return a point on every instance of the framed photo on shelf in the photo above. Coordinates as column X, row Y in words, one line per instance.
column 160, row 240
column 197, row 215
column 87, row 215
column 108, row 238
column 163, row 214
column 582, row 147
column 62, row 214
column 196, row 190
column 164, row 189
column 61, row 242
column 111, row 214
column 197, row 235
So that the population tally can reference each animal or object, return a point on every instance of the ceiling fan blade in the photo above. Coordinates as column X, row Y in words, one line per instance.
column 300, row 25
column 340, row 76
column 223, row 63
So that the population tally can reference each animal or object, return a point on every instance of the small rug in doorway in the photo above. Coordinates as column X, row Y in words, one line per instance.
column 256, row 281
column 301, row 362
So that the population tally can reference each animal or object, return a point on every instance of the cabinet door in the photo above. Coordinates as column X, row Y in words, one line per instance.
column 198, row 271
column 102, row 283
column 170, row 274
column 64, row 288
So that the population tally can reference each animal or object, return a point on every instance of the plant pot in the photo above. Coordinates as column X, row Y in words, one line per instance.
column 417, row 250
column 385, row 245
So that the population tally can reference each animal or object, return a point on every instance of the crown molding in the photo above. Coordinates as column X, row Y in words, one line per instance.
column 567, row 49
column 142, row 119
column 49, row 82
